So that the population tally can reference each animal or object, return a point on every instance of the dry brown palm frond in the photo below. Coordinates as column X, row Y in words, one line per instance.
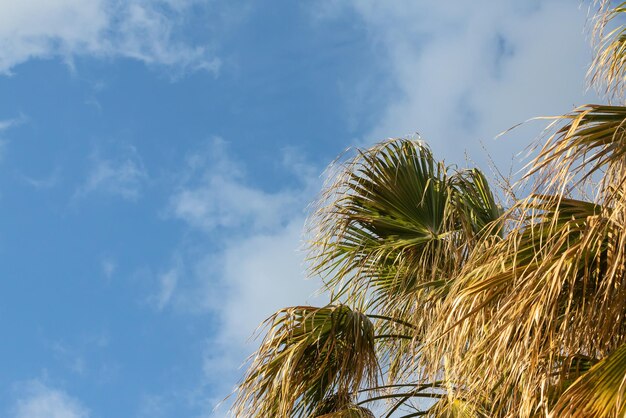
column 589, row 142
column 608, row 70
column 309, row 355
column 554, row 289
column 350, row 412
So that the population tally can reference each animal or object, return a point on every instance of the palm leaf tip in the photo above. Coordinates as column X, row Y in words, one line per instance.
column 308, row 355
column 607, row 72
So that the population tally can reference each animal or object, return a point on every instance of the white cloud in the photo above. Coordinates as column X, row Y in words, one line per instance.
column 465, row 71
column 255, row 236
column 261, row 274
column 254, row 266
column 46, row 182
column 167, row 285
column 225, row 202
column 216, row 195
column 146, row 30
column 10, row 123
column 37, row 400
column 109, row 267
column 123, row 175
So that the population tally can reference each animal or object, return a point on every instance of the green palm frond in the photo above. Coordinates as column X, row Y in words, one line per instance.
column 308, row 356
column 396, row 222
column 599, row 393
column 474, row 201
column 384, row 215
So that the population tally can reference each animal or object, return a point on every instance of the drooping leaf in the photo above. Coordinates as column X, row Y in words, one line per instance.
column 308, row 355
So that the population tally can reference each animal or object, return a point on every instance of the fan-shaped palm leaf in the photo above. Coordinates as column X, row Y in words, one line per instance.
column 395, row 222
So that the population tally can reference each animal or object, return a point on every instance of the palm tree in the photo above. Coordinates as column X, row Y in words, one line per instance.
column 390, row 235
column 443, row 304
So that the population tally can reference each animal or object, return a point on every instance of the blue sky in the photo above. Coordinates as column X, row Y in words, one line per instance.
column 157, row 158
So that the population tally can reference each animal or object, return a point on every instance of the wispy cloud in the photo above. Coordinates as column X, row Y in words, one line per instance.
column 10, row 123
column 5, row 125
column 167, row 286
column 253, row 265
column 462, row 72
column 215, row 194
column 109, row 267
column 122, row 175
column 46, row 182
column 146, row 30
column 37, row 400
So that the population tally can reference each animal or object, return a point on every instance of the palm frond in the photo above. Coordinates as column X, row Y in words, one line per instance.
column 351, row 412
column 308, row 356
column 395, row 224
column 454, row 408
column 383, row 211
column 591, row 141
column 599, row 393
column 475, row 203
column 553, row 288
column 608, row 69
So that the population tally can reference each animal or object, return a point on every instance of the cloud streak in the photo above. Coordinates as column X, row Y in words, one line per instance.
column 40, row 401
column 145, row 30
column 123, row 175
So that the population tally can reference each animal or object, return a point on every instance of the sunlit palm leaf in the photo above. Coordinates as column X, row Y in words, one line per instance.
column 309, row 355
column 591, row 141
column 396, row 223
column 599, row 393
column 454, row 408
column 555, row 287
column 525, row 303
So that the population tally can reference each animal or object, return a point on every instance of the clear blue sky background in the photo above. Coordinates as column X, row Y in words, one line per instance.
column 157, row 158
